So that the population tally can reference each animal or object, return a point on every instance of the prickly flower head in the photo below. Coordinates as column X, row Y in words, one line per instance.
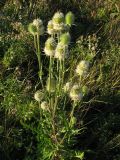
column 58, row 18
column 39, row 25
column 65, row 38
column 38, row 95
column 75, row 93
column 59, row 27
column 44, row 106
column 37, row 22
column 61, row 51
column 50, row 28
column 58, row 21
column 82, row 68
column 69, row 18
column 50, row 46
column 67, row 87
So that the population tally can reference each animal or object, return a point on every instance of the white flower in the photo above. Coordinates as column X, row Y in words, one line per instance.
column 38, row 95
column 67, row 87
column 61, row 51
column 58, row 17
column 50, row 28
column 75, row 93
column 44, row 106
column 81, row 72
column 58, row 21
column 50, row 46
column 39, row 25
column 37, row 22
column 82, row 68
column 59, row 27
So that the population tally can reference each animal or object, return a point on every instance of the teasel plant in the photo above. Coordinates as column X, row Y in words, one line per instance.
column 51, row 97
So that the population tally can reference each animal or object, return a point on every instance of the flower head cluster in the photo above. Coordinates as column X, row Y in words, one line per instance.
column 82, row 68
column 36, row 27
column 50, row 46
column 76, row 93
column 60, row 23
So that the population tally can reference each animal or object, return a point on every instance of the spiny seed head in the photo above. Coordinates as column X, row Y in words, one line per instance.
column 50, row 28
column 44, row 106
column 69, row 18
column 82, row 68
column 65, row 38
column 58, row 21
column 58, row 18
column 50, row 46
column 61, row 51
column 39, row 25
column 37, row 22
column 59, row 27
column 38, row 95
column 75, row 93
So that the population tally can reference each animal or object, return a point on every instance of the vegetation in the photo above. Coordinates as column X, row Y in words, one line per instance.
column 60, row 80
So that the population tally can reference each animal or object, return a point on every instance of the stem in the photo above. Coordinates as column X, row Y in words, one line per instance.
column 50, row 73
column 60, row 77
column 57, row 65
column 63, row 71
column 71, row 114
column 40, row 111
column 35, row 43
column 39, row 59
